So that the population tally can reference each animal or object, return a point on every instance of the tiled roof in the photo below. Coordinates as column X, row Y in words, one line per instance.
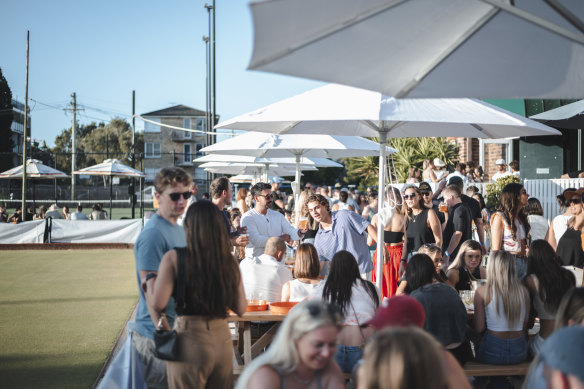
column 177, row 110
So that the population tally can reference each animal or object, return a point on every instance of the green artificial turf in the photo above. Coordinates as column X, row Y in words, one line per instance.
column 60, row 314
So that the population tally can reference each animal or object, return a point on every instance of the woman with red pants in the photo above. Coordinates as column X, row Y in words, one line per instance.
column 394, row 228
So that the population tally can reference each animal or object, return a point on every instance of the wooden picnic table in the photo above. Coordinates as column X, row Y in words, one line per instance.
column 243, row 323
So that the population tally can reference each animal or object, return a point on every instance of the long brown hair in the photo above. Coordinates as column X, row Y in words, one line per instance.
column 306, row 263
column 510, row 206
column 212, row 275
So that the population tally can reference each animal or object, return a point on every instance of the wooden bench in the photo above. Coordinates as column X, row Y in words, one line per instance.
column 477, row 369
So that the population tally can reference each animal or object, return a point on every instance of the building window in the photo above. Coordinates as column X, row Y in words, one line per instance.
column 187, row 156
column 200, row 124
column 152, row 127
column 187, row 124
column 152, row 150
column 150, row 173
column 198, row 148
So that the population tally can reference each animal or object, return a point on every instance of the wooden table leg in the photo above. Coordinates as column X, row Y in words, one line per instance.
column 258, row 347
column 246, row 342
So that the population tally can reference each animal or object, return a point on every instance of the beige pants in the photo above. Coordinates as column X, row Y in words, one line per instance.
column 205, row 354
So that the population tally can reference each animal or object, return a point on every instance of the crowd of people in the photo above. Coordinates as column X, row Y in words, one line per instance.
column 458, row 284
column 54, row 212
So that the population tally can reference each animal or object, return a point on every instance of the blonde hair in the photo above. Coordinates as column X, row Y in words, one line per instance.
column 282, row 355
column 502, row 282
column 403, row 358
column 458, row 262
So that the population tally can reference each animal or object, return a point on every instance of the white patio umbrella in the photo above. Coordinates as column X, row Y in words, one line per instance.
column 570, row 117
column 111, row 168
column 279, row 146
column 250, row 179
column 337, row 109
column 35, row 169
column 427, row 48
column 316, row 162
column 260, row 170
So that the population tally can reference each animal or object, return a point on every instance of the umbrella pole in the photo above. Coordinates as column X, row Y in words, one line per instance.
column 297, row 191
column 110, row 215
column 381, row 196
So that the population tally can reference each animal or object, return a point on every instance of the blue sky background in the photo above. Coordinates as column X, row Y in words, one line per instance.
column 104, row 50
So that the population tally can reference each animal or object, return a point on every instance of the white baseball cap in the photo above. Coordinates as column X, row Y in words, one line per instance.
column 438, row 162
column 500, row 161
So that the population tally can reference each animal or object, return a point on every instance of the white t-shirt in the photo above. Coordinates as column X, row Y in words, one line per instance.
column 263, row 278
column 261, row 227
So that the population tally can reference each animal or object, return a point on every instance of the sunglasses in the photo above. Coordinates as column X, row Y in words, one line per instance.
column 316, row 310
column 425, row 193
column 411, row 196
column 176, row 196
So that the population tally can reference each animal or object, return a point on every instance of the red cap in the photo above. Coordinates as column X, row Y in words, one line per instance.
column 398, row 311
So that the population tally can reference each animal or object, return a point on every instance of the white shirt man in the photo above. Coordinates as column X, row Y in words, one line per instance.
column 264, row 276
column 262, row 223
column 501, row 170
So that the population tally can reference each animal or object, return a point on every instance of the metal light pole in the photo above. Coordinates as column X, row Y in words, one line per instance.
column 23, row 204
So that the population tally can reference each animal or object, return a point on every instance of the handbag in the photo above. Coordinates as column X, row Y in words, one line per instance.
column 166, row 341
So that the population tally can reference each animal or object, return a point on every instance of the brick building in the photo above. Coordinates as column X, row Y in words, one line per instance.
column 167, row 146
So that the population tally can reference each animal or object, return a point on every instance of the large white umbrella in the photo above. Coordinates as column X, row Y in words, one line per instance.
column 427, row 48
column 281, row 146
column 255, row 169
column 351, row 111
column 34, row 169
column 37, row 170
column 111, row 168
column 317, row 162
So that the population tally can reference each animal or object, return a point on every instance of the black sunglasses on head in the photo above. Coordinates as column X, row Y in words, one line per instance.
column 332, row 310
column 176, row 196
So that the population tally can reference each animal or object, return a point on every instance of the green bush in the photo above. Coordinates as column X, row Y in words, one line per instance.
column 494, row 190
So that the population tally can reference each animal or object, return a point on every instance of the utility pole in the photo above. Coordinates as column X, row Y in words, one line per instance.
column 23, row 204
column 73, row 145
column 133, row 155
column 210, row 78
column 73, row 142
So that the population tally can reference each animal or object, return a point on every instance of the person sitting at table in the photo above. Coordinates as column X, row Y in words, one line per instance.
column 264, row 276
column 405, row 311
column 208, row 274
column 547, row 281
column 301, row 355
column 446, row 316
column 403, row 358
column 466, row 267
column 435, row 253
column 306, row 273
column 501, row 312
column 357, row 299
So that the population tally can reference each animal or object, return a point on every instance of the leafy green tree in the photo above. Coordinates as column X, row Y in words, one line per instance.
column 95, row 142
column 6, row 116
column 411, row 152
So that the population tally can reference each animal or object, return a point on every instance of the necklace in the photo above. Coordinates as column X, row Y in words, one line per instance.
column 415, row 216
column 301, row 381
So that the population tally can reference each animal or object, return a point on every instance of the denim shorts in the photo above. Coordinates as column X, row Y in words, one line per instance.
column 347, row 357
column 520, row 267
column 498, row 351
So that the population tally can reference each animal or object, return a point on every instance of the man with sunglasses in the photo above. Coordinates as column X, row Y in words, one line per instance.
column 263, row 223
column 160, row 234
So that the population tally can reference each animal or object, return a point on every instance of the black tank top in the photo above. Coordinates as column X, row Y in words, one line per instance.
column 465, row 279
column 393, row 237
column 418, row 232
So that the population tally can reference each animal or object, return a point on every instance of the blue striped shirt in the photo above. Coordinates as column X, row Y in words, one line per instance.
column 347, row 233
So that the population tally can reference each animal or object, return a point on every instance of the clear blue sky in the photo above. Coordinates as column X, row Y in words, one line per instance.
column 105, row 49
